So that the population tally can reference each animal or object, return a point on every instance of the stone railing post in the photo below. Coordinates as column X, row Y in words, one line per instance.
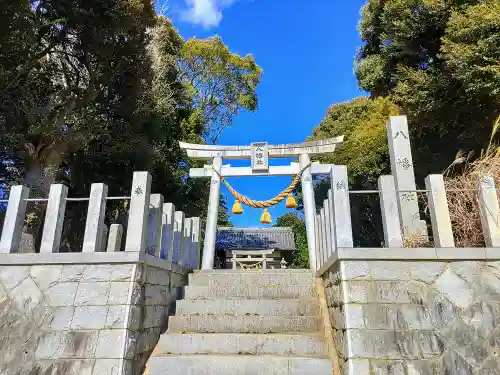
column 320, row 244
column 195, row 243
column 167, row 232
column 54, row 219
column 490, row 211
column 186, row 244
column 115, row 237
column 440, row 214
column 341, row 206
column 331, row 224
column 94, row 227
column 328, row 237
column 137, row 227
column 178, row 237
column 324, row 250
column 153, row 244
column 390, row 212
column 14, row 219
column 317, row 241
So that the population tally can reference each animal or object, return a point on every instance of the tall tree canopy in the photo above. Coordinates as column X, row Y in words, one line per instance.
column 220, row 82
column 439, row 61
column 363, row 123
column 93, row 90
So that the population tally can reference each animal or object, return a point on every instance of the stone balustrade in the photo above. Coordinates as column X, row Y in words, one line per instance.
column 100, row 310
column 333, row 225
column 152, row 226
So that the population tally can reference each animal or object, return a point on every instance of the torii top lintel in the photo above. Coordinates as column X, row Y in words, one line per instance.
column 208, row 152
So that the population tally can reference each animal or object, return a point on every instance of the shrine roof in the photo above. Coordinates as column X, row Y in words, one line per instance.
column 279, row 238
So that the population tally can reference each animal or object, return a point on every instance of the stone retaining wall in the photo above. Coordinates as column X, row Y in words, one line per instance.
column 83, row 318
column 422, row 317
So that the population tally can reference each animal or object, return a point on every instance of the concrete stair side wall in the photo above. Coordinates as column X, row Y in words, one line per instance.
column 425, row 317
column 91, row 318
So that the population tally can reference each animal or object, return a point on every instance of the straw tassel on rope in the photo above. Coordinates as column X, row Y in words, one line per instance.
column 266, row 217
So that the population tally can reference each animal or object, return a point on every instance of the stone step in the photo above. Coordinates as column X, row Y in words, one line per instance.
column 268, row 307
column 268, row 277
column 241, row 343
column 238, row 365
column 249, row 291
column 242, row 323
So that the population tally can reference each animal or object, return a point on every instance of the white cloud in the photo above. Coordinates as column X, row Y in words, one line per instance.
column 207, row 13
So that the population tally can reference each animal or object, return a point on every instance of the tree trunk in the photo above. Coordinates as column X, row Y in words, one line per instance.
column 41, row 172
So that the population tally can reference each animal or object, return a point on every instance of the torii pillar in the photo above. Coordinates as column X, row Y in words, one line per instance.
column 259, row 153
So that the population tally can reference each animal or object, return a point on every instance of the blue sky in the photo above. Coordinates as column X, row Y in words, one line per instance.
column 306, row 52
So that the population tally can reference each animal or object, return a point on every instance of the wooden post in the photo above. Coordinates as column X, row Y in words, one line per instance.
column 54, row 219
column 438, row 208
column 14, row 219
column 94, row 227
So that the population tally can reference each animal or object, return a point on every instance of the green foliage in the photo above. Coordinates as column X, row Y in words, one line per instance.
column 471, row 48
column 365, row 153
column 363, row 123
column 93, row 90
column 220, row 83
column 439, row 62
column 300, row 257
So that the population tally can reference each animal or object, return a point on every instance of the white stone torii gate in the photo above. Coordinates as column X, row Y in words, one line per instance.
column 259, row 153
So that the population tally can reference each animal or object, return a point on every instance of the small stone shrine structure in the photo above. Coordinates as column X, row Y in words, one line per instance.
column 254, row 244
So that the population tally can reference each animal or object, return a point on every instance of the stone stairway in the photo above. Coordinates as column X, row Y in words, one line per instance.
column 244, row 323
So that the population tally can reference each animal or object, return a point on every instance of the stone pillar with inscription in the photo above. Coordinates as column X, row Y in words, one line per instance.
column 402, row 169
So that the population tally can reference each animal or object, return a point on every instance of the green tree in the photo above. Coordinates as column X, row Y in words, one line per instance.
column 71, row 79
column 300, row 257
column 439, row 62
column 365, row 153
column 90, row 93
column 221, row 84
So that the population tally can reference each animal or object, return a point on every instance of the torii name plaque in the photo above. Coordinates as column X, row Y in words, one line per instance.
column 260, row 157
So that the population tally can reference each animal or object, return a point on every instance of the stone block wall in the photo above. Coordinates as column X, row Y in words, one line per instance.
column 83, row 319
column 422, row 317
